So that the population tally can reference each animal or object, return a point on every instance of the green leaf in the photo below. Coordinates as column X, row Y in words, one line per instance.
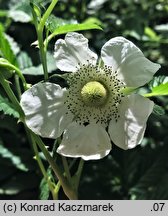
column 151, row 34
column 54, row 22
column 161, row 90
column 5, row 68
column 38, row 70
column 157, row 81
column 7, row 107
column 13, row 44
column 5, row 49
column 23, row 5
column 133, row 34
column 62, row 27
column 15, row 160
column 158, row 110
column 24, row 60
column 40, row 2
column 75, row 27
column 44, row 188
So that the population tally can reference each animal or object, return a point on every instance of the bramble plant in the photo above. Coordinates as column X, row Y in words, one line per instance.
column 86, row 105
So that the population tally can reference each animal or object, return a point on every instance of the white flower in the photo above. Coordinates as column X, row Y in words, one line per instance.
column 94, row 109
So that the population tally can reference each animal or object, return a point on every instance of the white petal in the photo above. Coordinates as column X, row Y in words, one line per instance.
column 133, row 68
column 45, row 113
column 72, row 51
column 88, row 142
column 129, row 130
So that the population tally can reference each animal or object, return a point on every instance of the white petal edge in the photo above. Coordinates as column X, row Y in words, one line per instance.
column 45, row 113
column 89, row 142
column 72, row 51
column 133, row 68
column 129, row 130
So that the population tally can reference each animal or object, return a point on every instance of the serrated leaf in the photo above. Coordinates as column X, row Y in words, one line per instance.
column 158, row 86
column 24, row 60
column 13, row 44
column 75, row 27
column 5, row 49
column 14, row 159
column 40, row 2
column 23, row 5
column 157, row 81
column 38, row 70
column 7, row 107
column 44, row 188
column 65, row 28
column 54, row 22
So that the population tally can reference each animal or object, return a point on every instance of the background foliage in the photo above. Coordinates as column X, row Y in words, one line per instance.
column 140, row 173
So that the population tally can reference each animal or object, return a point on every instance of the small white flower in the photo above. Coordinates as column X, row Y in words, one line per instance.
column 93, row 110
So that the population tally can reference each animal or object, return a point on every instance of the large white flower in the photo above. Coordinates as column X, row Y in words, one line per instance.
column 94, row 109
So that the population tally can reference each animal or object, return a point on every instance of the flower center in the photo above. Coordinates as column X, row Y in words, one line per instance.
column 94, row 94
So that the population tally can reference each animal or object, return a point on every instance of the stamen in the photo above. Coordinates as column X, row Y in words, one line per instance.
column 94, row 94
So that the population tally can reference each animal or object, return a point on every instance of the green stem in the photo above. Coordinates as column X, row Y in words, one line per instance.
column 66, row 169
column 42, row 53
column 39, row 161
column 8, row 65
column 17, row 85
column 57, row 188
column 47, row 14
column 48, row 39
column 78, row 173
column 39, row 30
column 35, row 149
column 152, row 94
column 65, row 185
column 11, row 95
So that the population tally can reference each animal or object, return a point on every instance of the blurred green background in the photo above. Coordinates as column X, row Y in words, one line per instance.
column 140, row 173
